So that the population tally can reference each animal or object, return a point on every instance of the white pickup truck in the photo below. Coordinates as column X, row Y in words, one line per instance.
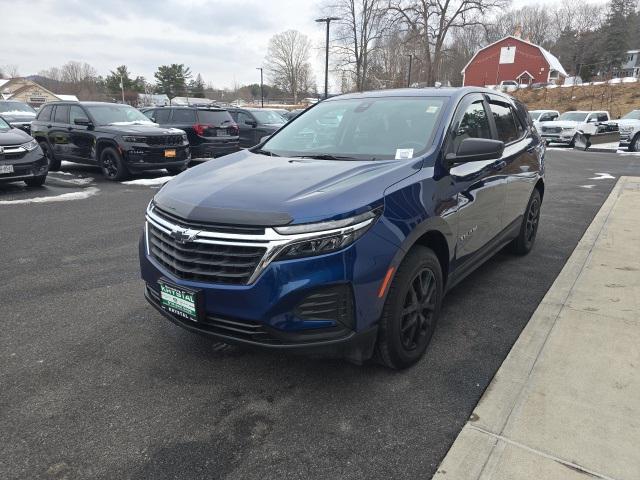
column 629, row 127
column 566, row 127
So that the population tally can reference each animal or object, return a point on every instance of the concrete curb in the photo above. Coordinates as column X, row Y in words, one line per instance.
column 479, row 442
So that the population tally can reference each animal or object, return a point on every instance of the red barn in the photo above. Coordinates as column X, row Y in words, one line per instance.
column 512, row 59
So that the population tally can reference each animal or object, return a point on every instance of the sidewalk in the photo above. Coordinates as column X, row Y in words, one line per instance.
column 565, row 404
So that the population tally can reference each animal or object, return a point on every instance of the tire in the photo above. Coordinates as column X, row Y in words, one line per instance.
column 52, row 161
column 112, row 165
column 36, row 181
column 176, row 170
column 634, row 146
column 411, row 309
column 523, row 243
column 573, row 141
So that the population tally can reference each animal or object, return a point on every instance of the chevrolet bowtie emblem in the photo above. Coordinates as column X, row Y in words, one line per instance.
column 183, row 236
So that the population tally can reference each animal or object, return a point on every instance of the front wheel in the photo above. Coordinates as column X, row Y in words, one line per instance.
column 411, row 310
column 523, row 243
column 112, row 165
column 35, row 181
column 634, row 146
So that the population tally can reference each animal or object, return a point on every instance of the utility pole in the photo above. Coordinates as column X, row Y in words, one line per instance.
column 326, row 20
column 122, row 87
column 261, row 88
column 410, row 55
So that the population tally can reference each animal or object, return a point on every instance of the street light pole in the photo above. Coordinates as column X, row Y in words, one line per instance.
column 326, row 20
column 261, row 88
column 410, row 55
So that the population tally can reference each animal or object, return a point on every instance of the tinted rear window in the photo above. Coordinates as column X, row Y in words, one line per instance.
column 214, row 117
column 162, row 115
column 183, row 115
column 45, row 113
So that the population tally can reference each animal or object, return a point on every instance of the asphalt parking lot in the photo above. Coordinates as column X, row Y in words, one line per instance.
column 94, row 383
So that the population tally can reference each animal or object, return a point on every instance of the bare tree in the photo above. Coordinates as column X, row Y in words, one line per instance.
column 533, row 22
column 358, row 35
column 287, row 61
column 430, row 22
column 10, row 71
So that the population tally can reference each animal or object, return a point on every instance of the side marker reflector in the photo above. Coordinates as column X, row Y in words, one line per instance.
column 385, row 282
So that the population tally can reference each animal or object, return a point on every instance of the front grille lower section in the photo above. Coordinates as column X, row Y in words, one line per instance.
column 206, row 262
column 551, row 129
column 331, row 303
column 165, row 140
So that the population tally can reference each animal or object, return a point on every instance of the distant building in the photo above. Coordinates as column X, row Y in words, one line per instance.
column 28, row 91
column 512, row 58
column 152, row 100
column 631, row 65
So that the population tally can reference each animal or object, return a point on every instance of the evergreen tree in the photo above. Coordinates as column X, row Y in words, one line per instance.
column 618, row 32
column 197, row 87
column 172, row 79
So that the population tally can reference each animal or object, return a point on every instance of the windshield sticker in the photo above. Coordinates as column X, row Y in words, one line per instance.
column 404, row 153
column 432, row 109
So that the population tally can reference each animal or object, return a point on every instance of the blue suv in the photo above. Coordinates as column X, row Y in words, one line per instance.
column 340, row 234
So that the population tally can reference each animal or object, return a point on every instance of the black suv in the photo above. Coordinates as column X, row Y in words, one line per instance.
column 117, row 138
column 255, row 124
column 211, row 131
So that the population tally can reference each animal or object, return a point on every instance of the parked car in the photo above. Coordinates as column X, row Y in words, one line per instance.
column 566, row 127
column 255, row 123
column 629, row 126
column 117, row 138
column 280, row 111
column 347, row 246
column 21, row 158
column 293, row 114
column 538, row 116
column 211, row 131
column 540, row 85
column 509, row 85
column 17, row 114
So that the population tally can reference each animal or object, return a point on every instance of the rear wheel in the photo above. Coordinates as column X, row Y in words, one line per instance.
column 523, row 243
column 36, row 181
column 411, row 310
column 113, row 167
column 54, row 164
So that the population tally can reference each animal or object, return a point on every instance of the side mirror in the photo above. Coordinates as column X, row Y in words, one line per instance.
column 592, row 120
column 153, row 119
column 82, row 121
column 476, row 150
column 251, row 123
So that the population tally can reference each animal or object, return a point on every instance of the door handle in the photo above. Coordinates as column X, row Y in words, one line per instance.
column 69, row 128
column 500, row 164
column 49, row 126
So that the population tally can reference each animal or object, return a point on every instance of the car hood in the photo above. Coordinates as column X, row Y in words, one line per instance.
column 18, row 116
column 139, row 130
column 245, row 188
column 626, row 122
column 13, row 137
column 560, row 123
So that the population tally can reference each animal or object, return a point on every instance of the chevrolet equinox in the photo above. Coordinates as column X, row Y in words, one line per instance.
column 340, row 234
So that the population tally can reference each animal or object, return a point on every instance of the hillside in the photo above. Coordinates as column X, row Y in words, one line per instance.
column 618, row 99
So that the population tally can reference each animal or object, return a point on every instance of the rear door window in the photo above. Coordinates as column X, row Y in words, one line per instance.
column 45, row 113
column 183, row 115
column 214, row 117
column 62, row 114
column 507, row 124
column 162, row 115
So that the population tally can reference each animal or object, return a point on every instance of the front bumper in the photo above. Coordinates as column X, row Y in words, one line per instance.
column 558, row 137
column 139, row 158
column 32, row 164
column 266, row 313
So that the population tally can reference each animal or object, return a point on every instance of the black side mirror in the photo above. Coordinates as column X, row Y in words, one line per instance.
column 153, row 119
column 251, row 123
column 476, row 150
column 82, row 121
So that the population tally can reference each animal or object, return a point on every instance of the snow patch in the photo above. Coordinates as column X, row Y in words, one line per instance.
column 602, row 176
column 148, row 181
column 587, row 186
column 65, row 197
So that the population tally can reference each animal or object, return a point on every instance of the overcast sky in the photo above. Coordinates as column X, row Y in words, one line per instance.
column 224, row 40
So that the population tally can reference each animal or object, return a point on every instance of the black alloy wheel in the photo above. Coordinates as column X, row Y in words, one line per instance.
column 113, row 168
column 523, row 243
column 533, row 218
column 419, row 308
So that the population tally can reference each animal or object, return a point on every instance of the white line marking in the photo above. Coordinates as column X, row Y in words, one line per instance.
column 587, row 186
column 602, row 176
column 65, row 197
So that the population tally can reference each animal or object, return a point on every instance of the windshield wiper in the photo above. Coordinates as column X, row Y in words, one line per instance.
column 326, row 156
column 265, row 152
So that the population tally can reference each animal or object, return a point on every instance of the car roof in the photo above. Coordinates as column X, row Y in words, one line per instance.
column 449, row 92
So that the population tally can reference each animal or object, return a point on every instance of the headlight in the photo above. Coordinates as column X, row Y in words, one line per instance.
column 330, row 236
column 134, row 139
column 567, row 129
column 29, row 146
column 184, row 138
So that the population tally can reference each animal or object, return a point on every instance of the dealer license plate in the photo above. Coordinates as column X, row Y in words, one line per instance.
column 222, row 133
column 170, row 153
column 6, row 169
column 179, row 301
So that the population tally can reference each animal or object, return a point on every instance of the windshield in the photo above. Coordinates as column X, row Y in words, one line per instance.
column 635, row 115
column 574, row 116
column 535, row 114
column 268, row 116
column 114, row 114
column 4, row 125
column 361, row 128
column 15, row 107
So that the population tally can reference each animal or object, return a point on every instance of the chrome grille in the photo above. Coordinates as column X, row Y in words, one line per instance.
column 229, row 264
